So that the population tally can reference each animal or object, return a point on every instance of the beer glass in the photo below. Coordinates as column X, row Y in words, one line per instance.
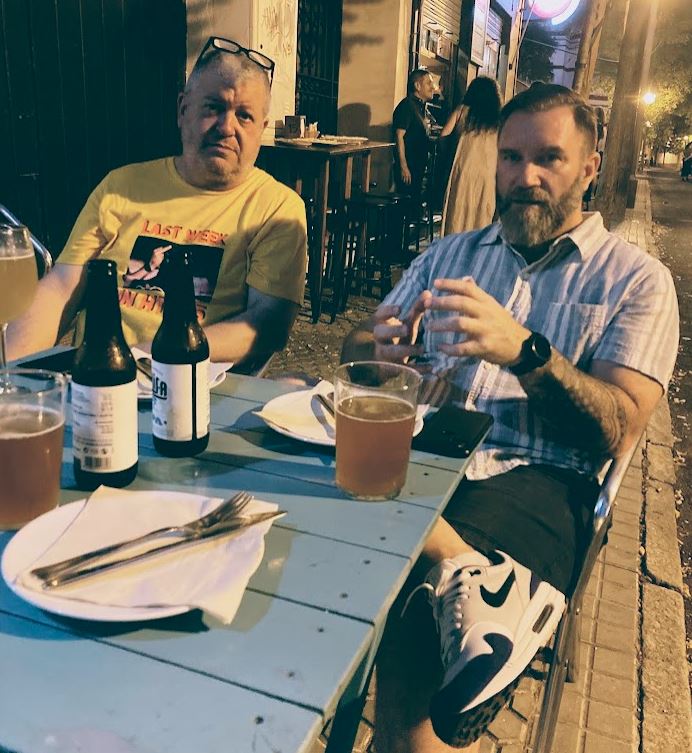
column 32, row 418
column 18, row 279
column 375, row 414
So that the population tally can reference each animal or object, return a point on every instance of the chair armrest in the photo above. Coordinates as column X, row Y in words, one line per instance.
column 601, row 518
column 611, row 485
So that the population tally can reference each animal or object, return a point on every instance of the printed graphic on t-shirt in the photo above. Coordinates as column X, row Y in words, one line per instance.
column 144, row 282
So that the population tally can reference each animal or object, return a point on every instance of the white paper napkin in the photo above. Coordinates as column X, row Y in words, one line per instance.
column 301, row 414
column 217, row 373
column 211, row 576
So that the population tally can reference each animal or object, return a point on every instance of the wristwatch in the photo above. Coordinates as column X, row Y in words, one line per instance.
column 535, row 352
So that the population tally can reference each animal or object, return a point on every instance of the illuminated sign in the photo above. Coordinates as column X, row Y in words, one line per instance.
column 556, row 11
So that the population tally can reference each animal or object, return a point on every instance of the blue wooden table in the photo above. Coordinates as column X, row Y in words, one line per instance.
column 301, row 647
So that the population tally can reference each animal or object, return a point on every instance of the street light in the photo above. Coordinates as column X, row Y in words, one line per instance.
column 648, row 98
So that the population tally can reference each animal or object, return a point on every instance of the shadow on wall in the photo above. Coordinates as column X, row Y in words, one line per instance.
column 349, row 41
column 354, row 120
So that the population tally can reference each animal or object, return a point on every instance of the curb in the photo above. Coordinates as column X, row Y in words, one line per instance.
column 665, row 693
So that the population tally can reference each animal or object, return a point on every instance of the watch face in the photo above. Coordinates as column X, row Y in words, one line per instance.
column 541, row 348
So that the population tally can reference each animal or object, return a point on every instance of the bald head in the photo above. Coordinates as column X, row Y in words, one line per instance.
column 232, row 69
column 222, row 114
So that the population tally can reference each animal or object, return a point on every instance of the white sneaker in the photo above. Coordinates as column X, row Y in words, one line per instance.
column 492, row 616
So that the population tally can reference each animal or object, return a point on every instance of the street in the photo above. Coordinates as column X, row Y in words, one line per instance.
column 671, row 201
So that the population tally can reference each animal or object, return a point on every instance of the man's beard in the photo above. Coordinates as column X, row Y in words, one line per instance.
column 530, row 217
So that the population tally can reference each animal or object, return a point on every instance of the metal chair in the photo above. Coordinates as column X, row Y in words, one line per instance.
column 44, row 258
column 564, row 664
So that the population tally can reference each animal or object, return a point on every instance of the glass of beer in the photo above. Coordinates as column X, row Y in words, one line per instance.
column 32, row 418
column 18, row 278
column 375, row 414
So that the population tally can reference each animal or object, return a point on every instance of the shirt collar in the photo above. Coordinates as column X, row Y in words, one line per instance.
column 587, row 237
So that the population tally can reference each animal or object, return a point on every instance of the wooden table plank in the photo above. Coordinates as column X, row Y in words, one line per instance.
column 60, row 693
column 307, row 654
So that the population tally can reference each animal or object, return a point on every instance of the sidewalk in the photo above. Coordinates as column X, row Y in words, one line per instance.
column 632, row 695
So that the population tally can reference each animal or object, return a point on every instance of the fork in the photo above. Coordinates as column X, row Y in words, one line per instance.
column 227, row 510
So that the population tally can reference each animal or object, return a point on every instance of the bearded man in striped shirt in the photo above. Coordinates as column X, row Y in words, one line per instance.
column 567, row 335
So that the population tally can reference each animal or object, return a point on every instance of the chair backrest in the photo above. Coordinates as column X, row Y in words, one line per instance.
column 44, row 258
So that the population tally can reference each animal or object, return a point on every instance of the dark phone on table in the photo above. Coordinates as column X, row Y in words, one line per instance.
column 61, row 361
column 453, row 432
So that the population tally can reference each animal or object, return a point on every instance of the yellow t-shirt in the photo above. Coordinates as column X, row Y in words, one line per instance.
column 254, row 234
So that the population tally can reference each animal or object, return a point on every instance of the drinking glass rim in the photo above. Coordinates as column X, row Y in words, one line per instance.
column 398, row 366
column 60, row 378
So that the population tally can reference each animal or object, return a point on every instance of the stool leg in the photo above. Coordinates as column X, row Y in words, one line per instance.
column 338, row 264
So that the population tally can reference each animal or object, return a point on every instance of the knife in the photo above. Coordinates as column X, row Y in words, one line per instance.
column 228, row 529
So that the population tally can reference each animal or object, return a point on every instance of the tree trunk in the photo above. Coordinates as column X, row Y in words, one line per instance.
column 622, row 141
column 588, row 47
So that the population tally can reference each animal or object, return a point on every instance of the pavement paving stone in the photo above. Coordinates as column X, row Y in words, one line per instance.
column 620, row 593
column 572, row 707
column 625, row 518
column 615, row 690
column 524, row 703
column 617, row 556
column 626, row 578
column 615, row 663
column 622, row 543
column 616, row 614
column 596, row 743
column 488, row 746
column 617, row 637
column 508, row 727
column 567, row 738
column 630, row 501
column 614, row 721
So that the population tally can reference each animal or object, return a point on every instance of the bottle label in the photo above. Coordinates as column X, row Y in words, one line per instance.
column 180, row 400
column 104, row 427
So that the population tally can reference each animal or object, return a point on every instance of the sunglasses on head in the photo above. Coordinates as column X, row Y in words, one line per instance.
column 233, row 48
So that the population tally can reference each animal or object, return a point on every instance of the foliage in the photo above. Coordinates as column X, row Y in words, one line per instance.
column 671, row 114
column 536, row 51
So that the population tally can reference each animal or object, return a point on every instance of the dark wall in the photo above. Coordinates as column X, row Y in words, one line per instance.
column 317, row 64
column 85, row 86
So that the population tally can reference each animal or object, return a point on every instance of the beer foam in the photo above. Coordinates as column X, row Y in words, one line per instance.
column 18, row 421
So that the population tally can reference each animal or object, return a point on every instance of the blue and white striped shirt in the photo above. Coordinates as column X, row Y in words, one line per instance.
column 593, row 295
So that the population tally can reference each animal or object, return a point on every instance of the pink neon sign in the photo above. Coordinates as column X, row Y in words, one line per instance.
column 555, row 10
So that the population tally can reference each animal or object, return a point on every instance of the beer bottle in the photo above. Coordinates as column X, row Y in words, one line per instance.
column 104, row 388
column 180, row 367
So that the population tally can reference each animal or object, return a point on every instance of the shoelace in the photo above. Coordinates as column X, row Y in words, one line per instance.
column 446, row 601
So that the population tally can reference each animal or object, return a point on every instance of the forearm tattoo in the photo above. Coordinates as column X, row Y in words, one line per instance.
column 585, row 411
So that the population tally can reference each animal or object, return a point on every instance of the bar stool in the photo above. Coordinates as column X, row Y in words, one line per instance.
column 369, row 233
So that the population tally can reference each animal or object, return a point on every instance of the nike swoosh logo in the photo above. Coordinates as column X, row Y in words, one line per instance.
column 498, row 598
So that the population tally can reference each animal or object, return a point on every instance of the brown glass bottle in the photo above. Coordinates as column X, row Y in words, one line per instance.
column 104, row 389
column 180, row 367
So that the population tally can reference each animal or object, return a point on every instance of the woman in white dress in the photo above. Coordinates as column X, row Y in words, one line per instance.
column 470, row 196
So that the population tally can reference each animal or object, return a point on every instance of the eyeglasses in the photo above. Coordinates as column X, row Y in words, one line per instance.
column 228, row 45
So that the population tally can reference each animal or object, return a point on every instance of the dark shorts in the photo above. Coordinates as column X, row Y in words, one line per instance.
column 539, row 515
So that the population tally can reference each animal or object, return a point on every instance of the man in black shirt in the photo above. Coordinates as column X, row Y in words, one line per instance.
column 411, row 125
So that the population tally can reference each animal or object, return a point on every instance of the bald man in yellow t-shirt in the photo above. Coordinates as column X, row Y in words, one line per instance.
column 246, row 233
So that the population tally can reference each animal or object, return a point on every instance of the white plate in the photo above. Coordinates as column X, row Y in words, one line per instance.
column 217, row 373
column 300, row 415
column 31, row 541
